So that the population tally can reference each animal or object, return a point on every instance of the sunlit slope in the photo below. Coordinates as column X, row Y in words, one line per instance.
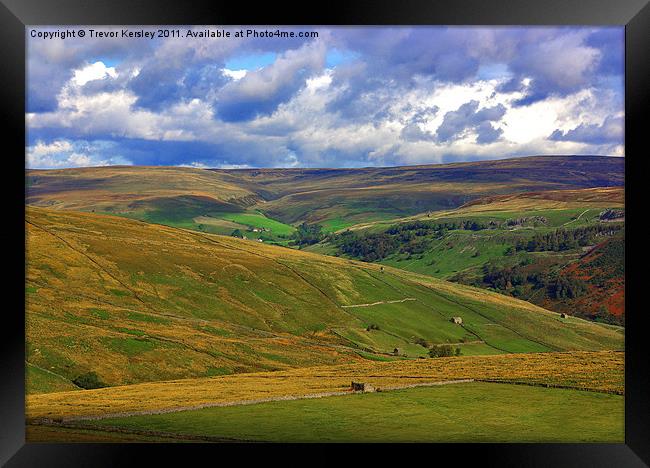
column 465, row 251
column 558, row 206
column 136, row 302
column 594, row 266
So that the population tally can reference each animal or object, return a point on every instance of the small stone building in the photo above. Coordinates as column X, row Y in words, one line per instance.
column 362, row 387
column 563, row 315
column 457, row 320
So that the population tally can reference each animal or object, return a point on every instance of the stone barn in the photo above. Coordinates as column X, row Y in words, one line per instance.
column 457, row 320
column 563, row 315
column 362, row 387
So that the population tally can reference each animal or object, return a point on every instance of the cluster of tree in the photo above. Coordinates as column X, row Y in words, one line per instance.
column 237, row 233
column 605, row 316
column 562, row 239
column 308, row 234
column 423, row 228
column 502, row 278
column 411, row 238
column 368, row 248
column 422, row 342
column 512, row 280
column 611, row 214
column 88, row 381
column 565, row 287
column 535, row 220
column 443, row 351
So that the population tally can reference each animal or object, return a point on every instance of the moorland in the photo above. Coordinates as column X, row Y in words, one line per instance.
column 162, row 299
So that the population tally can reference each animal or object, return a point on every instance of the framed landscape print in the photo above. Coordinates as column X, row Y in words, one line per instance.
column 403, row 227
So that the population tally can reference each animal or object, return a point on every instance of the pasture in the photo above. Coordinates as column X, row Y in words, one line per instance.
column 464, row 412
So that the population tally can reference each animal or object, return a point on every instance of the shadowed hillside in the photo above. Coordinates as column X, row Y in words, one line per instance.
column 336, row 198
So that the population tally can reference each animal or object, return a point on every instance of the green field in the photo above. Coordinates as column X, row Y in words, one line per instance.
column 256, row 219
column 469, row 412
column 218, row 222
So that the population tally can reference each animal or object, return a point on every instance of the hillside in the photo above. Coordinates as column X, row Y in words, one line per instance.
column 220, row 201
column 538, row 246
column 115, row 301
column 602, row 269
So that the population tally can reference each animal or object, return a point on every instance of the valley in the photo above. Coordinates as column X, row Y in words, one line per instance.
column 182, row 292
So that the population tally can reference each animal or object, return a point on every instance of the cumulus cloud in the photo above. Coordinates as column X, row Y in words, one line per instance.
column 63, row 153
column 93, row 71
column 610, row 131
column 469, row 117
column 351, row 97
column 260, row 92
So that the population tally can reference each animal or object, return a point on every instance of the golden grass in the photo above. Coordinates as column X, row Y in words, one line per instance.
column 99, row 188
column 598, row 371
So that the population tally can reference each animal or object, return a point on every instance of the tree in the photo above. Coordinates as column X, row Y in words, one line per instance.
column 88, row 381
column 440, row 351
column 308, row 234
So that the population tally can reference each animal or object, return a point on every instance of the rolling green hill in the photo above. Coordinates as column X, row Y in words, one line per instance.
column 220, row 201
column 114, row 301
column 527, row 245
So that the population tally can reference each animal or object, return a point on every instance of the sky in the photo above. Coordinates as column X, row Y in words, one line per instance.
column 350, row 97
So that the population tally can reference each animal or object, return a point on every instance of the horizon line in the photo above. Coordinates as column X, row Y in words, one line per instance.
column 187, row 166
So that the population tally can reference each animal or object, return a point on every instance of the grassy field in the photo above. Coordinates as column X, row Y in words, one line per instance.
column 469, row 412
column 173, row 303
column 597, row 371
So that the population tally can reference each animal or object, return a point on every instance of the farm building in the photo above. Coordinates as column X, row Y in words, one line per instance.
column 563, row 315
column 362, row 387
column 456, row 320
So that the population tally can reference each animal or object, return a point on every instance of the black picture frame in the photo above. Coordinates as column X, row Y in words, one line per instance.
column 16, row 14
